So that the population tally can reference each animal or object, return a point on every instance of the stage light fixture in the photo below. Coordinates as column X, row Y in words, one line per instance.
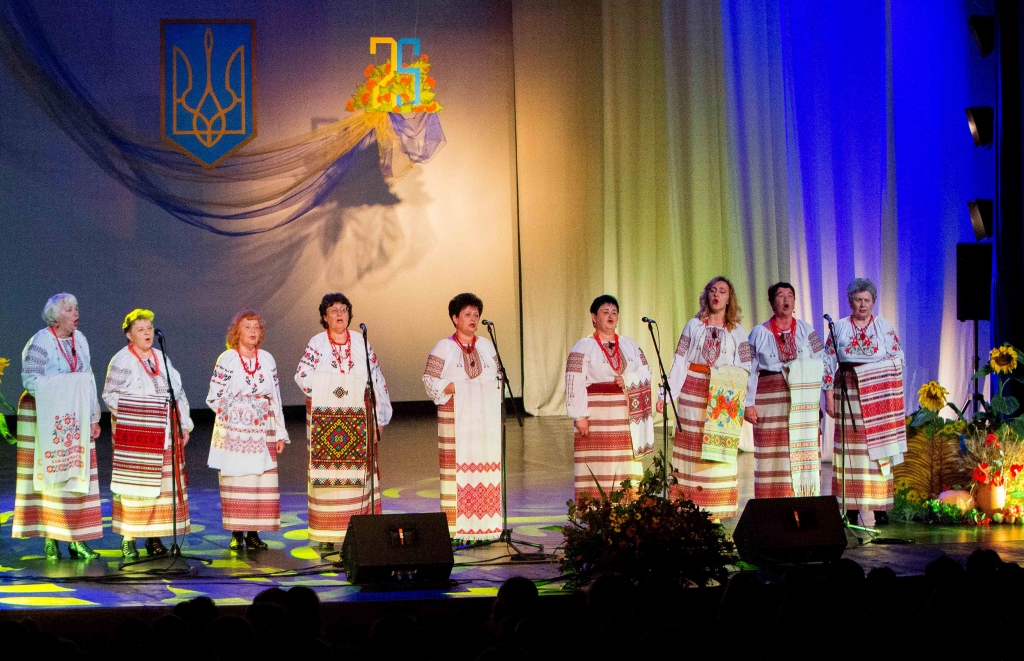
column 984, row 30
column 981, row 120
column 981, row 218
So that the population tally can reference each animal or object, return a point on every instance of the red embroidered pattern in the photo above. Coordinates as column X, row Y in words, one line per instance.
column 815, row 340
column 684, row 344
column 862, row 344
column 480, row 500
column 575, row 362
column 434, row 367
column 746, row 352
column 785, row 340
column 478, row 468
column 614, row 356
column 712, row 345
column 73, row 364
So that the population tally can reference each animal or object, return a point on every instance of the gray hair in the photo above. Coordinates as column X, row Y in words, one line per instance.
column 861, row 284
column 52, row 308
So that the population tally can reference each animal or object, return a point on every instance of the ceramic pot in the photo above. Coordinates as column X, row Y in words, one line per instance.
column 990, row 498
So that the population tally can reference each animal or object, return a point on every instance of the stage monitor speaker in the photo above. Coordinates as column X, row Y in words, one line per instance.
column 973, row 281
column 790, row 530
column 398, row 548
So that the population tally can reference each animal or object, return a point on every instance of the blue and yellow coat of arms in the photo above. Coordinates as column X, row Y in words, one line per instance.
column 208, row 86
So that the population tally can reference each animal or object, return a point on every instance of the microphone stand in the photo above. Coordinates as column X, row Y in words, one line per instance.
column 506, row 532
column 176, row 432
column 667, row 389
column 371, row 422
column 844, row 404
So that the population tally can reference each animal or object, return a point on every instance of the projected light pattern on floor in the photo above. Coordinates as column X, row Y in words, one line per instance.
column 539, row 483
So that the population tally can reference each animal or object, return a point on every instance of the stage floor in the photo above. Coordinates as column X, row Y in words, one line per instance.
column 540, row 479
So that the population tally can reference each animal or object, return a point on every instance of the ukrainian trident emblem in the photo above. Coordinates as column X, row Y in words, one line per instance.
column 208, row 88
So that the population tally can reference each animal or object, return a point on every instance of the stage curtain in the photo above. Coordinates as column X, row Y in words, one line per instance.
column 643, row 213
column 558, row 85
column 763, row 140
column 853, row 116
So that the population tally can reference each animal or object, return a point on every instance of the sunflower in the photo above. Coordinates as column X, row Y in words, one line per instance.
column 4, row 362
column 932, row 396
column 1003, row 360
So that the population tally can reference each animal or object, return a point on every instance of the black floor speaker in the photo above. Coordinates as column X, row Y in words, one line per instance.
column 398, row 549
column 790, row 530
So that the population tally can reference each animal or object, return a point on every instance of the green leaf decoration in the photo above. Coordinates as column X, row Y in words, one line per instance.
column 5, row 432
column 1018, row 427
column 982, row 372
column 1005, row 405
column 923, row 417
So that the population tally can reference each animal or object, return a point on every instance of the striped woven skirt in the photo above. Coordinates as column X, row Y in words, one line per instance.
column 251, row 502
column 866, row 487
column 772, row 476
column 605, row 456
column 330, row 508
column 69, row 517
column 137, row 518
column 712, row 485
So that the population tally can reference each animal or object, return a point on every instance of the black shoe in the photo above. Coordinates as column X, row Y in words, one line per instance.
column 326, row 547
column 881, row 518
column 253, row 541
column 128, row 550
column 155, row 547
column 237, row 543
column 52, row 549
column 852, row 516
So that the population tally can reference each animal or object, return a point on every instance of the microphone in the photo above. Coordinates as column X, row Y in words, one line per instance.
column 362, row 327
column 159, row 333
column 485, row 322
column 648, row 320
column 828, row 319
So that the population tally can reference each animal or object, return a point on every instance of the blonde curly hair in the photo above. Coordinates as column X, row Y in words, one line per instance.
column 732, row 308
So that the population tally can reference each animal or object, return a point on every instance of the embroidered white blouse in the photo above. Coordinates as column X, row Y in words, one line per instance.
column 701, row 344
column 876, row 341
column 349, row 358
column 447, row 364
column 126, row 376
column 230, row 379
column 588, row 364
column 42, row 357
column 805, row 341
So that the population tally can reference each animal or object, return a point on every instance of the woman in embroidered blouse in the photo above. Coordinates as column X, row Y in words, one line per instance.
column 249, row 433
column 68, row 511
column 713, row 338
column 598, row 375
column 462, row 379
column 778, row 345
column 137, row 393
column 332, row 374
column 860, row 338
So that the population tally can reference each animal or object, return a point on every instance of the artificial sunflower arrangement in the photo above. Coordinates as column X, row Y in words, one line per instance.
column 932, row 396
column 1003, row 362
column 5, row 408
column 386, row 90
